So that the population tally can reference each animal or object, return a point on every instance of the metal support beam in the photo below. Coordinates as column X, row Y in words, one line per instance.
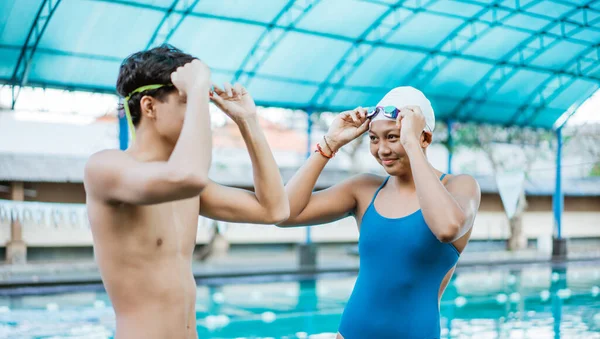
column 365, row 89
column 558, row 192
column 510, row 5
column 492, row 16
column 283, row 22
column 400, row 47
column 505, row 7
column 541, row 98
column 559, row 244
column 585, row 62
column 450, row 146
column 171, row 21
column 564, row 118
column 380, row 30
column 56, row 52
column 523, row 54
column 40, row 22
column 456, row 42
column 123, row 128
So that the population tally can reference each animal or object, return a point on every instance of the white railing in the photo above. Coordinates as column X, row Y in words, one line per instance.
column 42, row 215
column 58, row 224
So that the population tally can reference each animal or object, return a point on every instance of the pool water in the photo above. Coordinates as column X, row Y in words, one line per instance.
column 531, row 302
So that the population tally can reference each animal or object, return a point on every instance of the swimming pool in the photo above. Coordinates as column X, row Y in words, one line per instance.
column 530, row 302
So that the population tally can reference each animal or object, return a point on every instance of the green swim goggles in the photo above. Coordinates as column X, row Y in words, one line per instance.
column 142, row 89
column 126, row 105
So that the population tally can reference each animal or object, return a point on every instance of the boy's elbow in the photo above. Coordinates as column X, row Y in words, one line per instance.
column 279, row 215
column 201, row 181
column 192, row 182
column 196, row 183
column 278, row 219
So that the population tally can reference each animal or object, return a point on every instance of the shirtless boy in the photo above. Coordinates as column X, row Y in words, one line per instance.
column 143, row 203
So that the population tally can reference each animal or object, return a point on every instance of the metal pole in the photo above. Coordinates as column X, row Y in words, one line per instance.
column 309, row 123
column 13, row 97
column 558, row 193
column 123, row 129
column 450, row 146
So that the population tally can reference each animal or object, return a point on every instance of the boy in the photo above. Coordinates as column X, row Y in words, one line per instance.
column 143, row 203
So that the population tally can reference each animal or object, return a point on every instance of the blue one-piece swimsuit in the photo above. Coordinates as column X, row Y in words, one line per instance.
column 402, row 265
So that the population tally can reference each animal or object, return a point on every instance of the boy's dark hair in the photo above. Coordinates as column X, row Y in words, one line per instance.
column 153, row 66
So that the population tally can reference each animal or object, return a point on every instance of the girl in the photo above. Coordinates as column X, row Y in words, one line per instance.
column 413, row 224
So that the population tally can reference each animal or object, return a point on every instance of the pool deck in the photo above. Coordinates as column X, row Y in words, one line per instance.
column 249, row 264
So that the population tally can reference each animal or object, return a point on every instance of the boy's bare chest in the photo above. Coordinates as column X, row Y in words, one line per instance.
column 169, row 227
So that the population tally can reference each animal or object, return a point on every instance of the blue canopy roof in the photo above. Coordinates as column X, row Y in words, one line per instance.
column 523, row 62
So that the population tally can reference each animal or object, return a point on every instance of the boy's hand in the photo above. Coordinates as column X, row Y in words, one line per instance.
column 235, row 101
column 193, row 77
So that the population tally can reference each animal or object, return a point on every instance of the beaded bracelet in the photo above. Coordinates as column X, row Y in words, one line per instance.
column 320, row 150
column 326, row 143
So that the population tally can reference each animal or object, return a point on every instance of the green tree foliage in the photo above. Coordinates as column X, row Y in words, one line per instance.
column 507, row 149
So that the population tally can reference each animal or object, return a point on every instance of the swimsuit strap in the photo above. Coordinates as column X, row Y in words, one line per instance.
column 385, row 182
column 379, row 189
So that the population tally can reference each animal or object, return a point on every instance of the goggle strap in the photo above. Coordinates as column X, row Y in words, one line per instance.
column 126, row 104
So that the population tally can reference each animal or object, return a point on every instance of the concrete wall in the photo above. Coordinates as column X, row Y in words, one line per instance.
column 54, row 215
column 75, row 193
column 72, row 193
column 493, row 203
column 4, row 190
column 59, row 224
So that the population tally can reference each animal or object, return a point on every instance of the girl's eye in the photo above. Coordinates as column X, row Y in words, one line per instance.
column 373, row 138
column 392, row 136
